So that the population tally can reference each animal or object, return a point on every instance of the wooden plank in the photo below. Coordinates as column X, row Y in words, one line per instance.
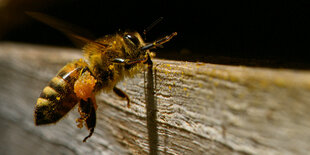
column 201, row 108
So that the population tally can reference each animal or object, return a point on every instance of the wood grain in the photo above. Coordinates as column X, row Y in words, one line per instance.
column 201, row 109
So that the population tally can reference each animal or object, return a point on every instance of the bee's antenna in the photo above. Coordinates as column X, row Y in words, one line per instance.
column 152, row 25
column 159, row 42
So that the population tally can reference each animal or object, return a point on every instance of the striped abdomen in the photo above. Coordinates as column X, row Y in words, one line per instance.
column 58, row 98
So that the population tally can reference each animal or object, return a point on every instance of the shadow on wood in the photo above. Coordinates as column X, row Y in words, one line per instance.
column 151, row 110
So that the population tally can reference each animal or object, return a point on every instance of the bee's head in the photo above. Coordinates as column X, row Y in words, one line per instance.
column 133, row 43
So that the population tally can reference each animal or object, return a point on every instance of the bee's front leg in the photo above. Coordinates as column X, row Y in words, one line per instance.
column 128, row 62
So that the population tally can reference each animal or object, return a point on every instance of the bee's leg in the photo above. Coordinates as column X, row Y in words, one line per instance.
column 87, row 110
column 83, row 117
column 84, row 85
column 128, row 62
column 148, row 59
column 122, row 94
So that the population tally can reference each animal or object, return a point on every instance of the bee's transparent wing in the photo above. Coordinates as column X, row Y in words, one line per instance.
column 77, row 35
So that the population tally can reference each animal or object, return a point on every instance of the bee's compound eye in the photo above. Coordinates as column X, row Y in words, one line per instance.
column 132, row 39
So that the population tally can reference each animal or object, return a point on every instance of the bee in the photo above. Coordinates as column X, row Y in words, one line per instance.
column 107, row 61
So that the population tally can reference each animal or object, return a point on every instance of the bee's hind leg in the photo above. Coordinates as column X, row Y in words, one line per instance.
column 87, row 110
column 122, row 94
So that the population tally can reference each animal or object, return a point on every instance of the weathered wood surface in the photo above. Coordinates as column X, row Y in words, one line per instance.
column 201, row 109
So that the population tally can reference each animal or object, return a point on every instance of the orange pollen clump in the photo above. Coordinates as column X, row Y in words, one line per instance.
column 83, row 87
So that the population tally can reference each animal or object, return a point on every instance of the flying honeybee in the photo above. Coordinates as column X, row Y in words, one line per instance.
column 107, row 61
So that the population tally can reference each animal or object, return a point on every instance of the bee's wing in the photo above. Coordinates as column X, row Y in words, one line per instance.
column 78, row 36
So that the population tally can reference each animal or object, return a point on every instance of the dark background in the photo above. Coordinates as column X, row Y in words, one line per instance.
column 253, row 33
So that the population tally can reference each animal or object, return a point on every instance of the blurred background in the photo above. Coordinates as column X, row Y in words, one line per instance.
column 254, row 33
